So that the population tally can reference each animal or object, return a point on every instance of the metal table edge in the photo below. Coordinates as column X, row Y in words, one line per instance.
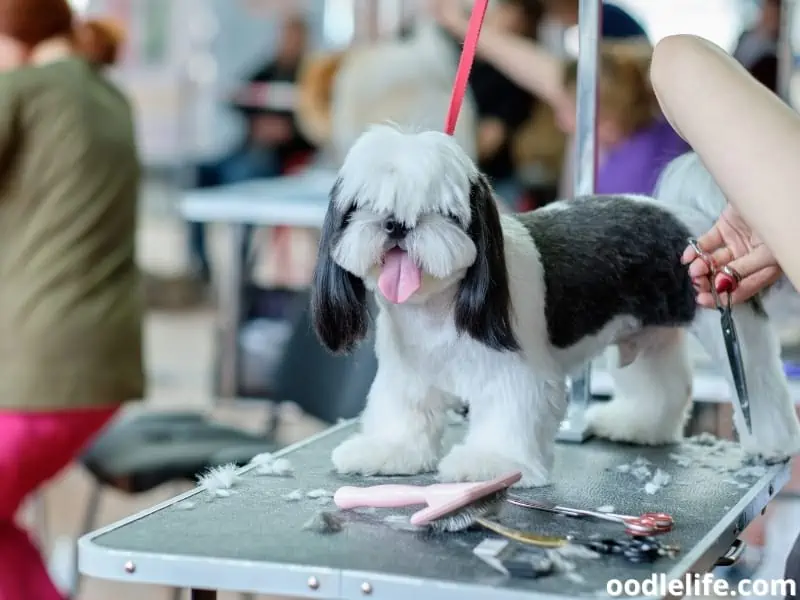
column 728, row 529
column 269, row 214
column 201, row 573
column 101, row 562
column 87, row 540
column 395, row 587
column 277, row 579
column 295, row 580
column 701, row 559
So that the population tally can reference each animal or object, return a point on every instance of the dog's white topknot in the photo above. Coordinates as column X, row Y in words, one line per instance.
column 427, row 170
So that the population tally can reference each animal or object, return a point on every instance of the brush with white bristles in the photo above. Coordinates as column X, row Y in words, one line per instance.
column 449, row 507
column 474, row 513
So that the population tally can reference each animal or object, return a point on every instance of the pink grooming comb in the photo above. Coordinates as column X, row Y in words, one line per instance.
column 442, row 499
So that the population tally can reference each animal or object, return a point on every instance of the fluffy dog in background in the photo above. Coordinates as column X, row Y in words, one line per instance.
column 404, row 81
column 497, row 311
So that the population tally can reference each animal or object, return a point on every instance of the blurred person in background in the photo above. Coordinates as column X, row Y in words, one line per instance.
column 502, row 105
column 757, row 48
column 617, row 23
column 529, row 64
column 535, row 65
column 635, row 142
column 273, row 143
column 71, row 306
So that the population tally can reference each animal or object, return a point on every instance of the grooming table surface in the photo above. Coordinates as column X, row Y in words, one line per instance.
column 254, row 541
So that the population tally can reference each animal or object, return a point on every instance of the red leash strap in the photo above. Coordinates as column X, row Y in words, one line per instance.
column 465, row 64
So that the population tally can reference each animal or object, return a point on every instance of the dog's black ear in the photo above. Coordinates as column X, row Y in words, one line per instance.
column 338, row 298
column 483, row 303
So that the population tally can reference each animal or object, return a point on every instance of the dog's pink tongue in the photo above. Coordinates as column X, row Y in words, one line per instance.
column 399, row 277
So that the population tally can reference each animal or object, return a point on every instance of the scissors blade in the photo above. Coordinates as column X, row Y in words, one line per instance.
column 734, row 351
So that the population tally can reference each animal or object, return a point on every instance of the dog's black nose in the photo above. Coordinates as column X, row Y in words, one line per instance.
column 394, row 229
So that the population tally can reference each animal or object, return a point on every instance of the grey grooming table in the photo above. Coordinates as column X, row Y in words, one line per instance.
column 253, row 540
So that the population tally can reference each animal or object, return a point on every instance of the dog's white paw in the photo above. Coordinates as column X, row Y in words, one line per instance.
column 772, row 448
column 614, row 421
column 466, row 463
column 373, row 455
column 776, row 431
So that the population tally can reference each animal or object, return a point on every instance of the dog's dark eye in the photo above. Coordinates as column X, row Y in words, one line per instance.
column 348, row 216
column 454, row 220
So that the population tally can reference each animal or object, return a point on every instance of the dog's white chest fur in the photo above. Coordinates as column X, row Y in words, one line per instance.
column 422, row 339
column 425, row 340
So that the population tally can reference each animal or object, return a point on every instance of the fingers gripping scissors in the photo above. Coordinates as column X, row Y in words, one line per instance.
column 726, row 280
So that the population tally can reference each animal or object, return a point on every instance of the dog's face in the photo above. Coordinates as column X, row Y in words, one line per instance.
column 410, row 217
column 407, row 214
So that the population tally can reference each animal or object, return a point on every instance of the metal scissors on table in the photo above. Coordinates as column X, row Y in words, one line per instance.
column 726, row 280
column 643, row 525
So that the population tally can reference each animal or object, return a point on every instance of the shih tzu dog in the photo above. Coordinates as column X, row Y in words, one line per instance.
column 496, row 311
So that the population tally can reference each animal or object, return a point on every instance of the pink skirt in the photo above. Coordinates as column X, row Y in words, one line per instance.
column 34, row 448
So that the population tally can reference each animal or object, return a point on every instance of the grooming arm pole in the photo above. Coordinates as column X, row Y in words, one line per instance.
column 786, row 50
column 574, row 428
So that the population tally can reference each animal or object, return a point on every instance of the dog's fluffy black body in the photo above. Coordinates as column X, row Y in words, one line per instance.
column 606, row 256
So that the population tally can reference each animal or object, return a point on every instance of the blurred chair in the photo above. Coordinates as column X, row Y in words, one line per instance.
column 339, row 385
column 142, row 451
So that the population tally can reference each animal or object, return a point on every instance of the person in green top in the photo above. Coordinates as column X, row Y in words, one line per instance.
column 71, row 306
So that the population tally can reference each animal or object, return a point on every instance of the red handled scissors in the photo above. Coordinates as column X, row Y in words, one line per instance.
column 651, row 523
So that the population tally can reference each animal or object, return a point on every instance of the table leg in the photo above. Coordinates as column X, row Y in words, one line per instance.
column 230, row 314
column 203, row 594
column 574, row 429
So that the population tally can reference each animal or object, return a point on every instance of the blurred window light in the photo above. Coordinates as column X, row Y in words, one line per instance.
column 720, row 21
column 391, row 16
column 339, row 22
column 80, row 6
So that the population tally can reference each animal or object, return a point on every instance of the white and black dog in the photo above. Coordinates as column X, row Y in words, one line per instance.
column 496, row 311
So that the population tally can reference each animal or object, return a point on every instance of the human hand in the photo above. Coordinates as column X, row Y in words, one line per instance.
column 732, row 243
column 269, row 129
column 491, row 135
column 252, row 95
column 13, row 54
column 450, row 15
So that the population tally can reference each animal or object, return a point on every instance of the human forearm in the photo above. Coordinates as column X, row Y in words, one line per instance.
column 525, row 62
column 747, row 138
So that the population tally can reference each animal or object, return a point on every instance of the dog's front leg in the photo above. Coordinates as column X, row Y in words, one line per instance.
column 401, row 427
column 512, row 427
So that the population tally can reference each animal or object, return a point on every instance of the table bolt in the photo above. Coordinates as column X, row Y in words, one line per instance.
column 130, row 567
column 313, row 583
column 366, row 588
